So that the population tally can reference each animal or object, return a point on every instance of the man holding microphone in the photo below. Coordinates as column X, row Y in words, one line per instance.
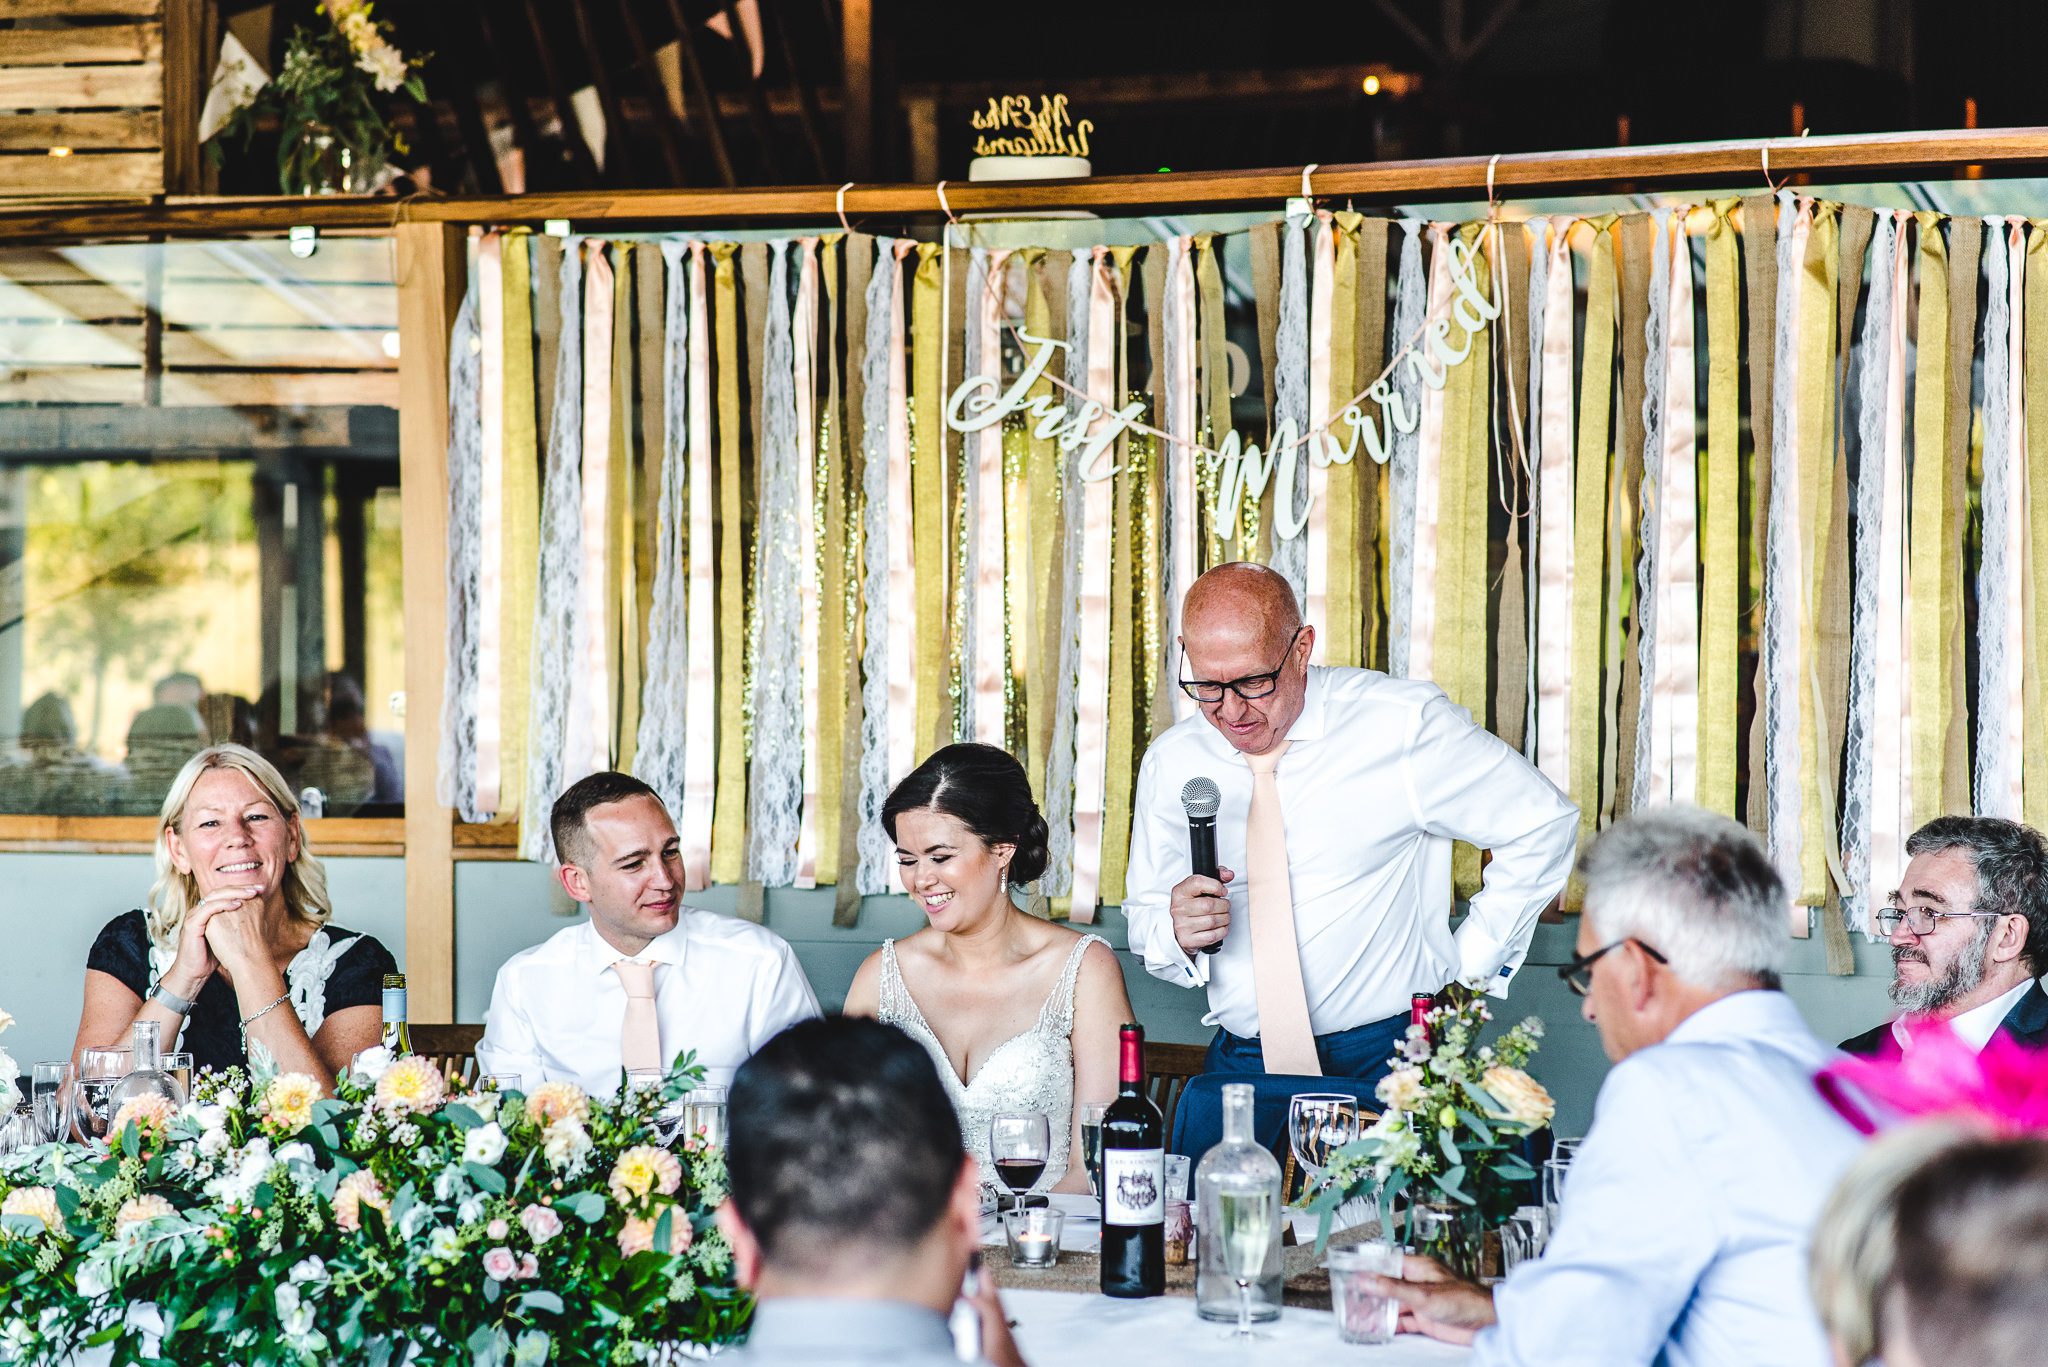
column 1340, row 791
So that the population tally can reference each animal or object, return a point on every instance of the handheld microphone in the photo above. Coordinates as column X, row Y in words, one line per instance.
column 1202, row 798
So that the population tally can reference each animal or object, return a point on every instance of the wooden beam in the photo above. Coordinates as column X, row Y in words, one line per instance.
column 431, row 271
column 1704, row 165
column 137, row 834
column 82, row 129
column 79, row 9
column 82, row 173
column 857, row 84
column 88, row 43
column 81, row 87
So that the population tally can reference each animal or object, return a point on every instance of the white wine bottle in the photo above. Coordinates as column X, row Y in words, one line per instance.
column 397, row 1038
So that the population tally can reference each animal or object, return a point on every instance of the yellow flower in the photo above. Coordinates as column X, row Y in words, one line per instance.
column 644, row 1169
column 1402, row 1089
column 355, row 1191
column 1522, row 1097
column 411, row 1084
column 552, row 1101
column 150, row 1115
column 637, row 1236
column 288, row 1102
column 140, row 1208
column 40, row 1202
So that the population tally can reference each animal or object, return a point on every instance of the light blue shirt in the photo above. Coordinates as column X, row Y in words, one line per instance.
column 798, row 1332
column 1686, row 1215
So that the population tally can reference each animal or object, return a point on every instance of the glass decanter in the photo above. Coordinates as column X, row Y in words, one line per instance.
column 1237, row 1195
column 147, row 1077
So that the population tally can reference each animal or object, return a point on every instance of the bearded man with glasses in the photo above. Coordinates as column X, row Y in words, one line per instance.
column 1969, row 933
column 1337, row 793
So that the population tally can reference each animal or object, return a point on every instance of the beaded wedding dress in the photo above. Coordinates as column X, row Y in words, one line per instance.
column 1033, row 1071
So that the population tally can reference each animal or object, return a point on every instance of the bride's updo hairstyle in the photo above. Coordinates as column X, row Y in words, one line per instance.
column 984, row 789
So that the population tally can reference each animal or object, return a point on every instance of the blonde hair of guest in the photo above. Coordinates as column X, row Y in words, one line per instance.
column 173, row 894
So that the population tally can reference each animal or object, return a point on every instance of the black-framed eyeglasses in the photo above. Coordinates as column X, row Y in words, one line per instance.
column 1578, row 974
column 1923, row 920
column 1249, row 687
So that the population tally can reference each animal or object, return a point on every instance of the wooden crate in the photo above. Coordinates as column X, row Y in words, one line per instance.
column 100, row 97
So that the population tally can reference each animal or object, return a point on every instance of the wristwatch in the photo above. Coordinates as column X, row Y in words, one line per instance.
column 181, row 1005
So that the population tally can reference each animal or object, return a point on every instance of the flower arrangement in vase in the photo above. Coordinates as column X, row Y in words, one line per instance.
column 330, row 98
column 406, row 1220
column 1443, row 1158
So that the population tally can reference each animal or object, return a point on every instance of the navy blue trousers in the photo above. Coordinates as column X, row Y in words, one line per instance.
column 1353, row 1061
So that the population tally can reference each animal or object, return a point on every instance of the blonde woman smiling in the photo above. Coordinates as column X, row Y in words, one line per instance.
column 235, row 949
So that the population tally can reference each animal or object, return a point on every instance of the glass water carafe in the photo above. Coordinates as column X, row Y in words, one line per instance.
column 1236, row 1182
column 147, row 1077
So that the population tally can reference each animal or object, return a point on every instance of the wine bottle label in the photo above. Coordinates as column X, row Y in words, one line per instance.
column 1133, row 1186
column 394, row 1004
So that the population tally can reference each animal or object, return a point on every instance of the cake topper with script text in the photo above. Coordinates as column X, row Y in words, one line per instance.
column 1012, row 126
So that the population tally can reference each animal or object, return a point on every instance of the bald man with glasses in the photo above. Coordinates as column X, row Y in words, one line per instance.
column 1969, row 934
column 1338, row 794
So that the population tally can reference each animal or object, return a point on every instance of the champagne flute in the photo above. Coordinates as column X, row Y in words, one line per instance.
column 90, row 1110
column 1248, row 1213
column 1091, row 1142
column 1318, row 1124
column 1020, row 1145
column 49, row 1084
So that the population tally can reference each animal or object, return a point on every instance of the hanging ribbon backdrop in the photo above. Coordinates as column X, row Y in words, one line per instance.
column 770, row 522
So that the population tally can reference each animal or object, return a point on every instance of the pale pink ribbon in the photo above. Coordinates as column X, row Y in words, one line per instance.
column 700, row 717
column 989, row 566
column 1789, row 551
column 1180, row 398
column 1675, row 686
column 1555, row 519
column 903, row 625
column 1098, row 505
column 804, row 366
column 1429, row 452
column 586, row 746
column 1891, row 749
column 1322, row 289
column 490, row 289
column 2009, row 800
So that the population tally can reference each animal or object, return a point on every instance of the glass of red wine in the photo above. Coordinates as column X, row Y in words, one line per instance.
column 1019, row 1145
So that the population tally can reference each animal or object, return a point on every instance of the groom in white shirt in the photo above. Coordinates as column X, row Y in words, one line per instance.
column 1682, row 1236
column 646, row 977
column 1341, row 792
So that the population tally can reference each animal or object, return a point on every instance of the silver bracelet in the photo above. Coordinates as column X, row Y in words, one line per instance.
column 178, row 1005
column 248, row 1021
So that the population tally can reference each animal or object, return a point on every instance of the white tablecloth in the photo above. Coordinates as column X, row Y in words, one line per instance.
column 1059, row 1329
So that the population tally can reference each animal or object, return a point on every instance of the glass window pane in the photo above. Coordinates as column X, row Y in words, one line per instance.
column 199, row 525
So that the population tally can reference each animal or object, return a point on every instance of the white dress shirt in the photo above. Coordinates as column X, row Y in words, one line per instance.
column 1976, row 1026
column 1380, row 776
column 722, row 986
column 1683, row 1234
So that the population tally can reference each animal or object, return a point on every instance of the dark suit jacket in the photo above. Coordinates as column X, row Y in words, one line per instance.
column 2027, row 1023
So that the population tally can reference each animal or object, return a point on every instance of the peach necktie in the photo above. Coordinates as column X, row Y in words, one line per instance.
column 640, row 1040
column 1285, row 1035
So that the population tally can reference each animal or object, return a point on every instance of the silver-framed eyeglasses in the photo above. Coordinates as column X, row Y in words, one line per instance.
column 1250, row 687
column 1923, row 920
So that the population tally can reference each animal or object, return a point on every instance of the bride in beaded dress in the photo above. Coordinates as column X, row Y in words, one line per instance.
column 1019, row 1014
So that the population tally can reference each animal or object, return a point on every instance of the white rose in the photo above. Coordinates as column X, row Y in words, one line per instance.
column 93, row 1280
column 296, row 1152
column 369, row 1065
column 444, row 1244
column 447, row 1182
column 287, row 1298
column 313, row 1269
column 485, row 1144
column 471, row 1211
column 213, row 1143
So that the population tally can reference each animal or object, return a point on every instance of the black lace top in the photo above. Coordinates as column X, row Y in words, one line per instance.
column 338, row 969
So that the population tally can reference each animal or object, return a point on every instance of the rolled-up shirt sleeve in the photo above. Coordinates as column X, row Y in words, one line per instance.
column 1466, row 784
column 1159, row 860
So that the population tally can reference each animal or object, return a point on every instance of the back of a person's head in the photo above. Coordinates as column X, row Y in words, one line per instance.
column 843, row 1145
column 1697, row 887
column 1971, row 1280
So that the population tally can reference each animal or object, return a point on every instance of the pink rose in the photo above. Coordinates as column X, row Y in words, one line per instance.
column 529, row 1267
column 497, row 1229
column 500, row 1265
column 542, row 1224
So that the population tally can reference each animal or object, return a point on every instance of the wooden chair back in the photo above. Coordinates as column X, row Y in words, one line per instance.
column 1167, row 1070
column 450, row 1048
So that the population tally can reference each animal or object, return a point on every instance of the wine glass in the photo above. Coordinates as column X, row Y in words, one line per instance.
column 1318, row 1124
column 1247, row 1213
column 1554, row 1173
column 1091, row 1142
column 703, row 1115
column 90, row 1110
column 178, row 1064
column 49, row 1082
column 1020, row 1145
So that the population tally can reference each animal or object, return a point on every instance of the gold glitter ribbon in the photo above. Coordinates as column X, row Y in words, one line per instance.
column 2034, row 779
column 1044, row 289
column 700, row 731
column 1720, row 513
column 520, row 551
column 623, row 503
column 1927, row 670
column 833, row 661
column 1124, row 585
column 1344, row 620
column 929, row 493
column 729, row 813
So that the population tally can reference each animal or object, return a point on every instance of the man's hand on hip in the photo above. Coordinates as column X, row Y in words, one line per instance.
column 1201, row 910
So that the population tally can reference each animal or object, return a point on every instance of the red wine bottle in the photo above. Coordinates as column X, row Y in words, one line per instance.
column 1419, row 1006
column 1133, row 1181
